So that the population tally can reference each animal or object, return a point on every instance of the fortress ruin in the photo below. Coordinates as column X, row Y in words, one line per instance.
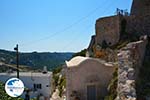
column 111, row 31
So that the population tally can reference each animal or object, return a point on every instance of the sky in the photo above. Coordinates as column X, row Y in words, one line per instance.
column 52, row 25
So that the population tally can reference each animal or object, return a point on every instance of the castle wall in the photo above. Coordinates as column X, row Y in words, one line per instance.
column 108, row 29
column 89, row 51
column 140, row 7
column 139, row 20
column 138, row 24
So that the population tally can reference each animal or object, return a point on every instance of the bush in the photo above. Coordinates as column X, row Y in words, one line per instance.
column 100, row 54
column 81, row 53
column 62, row 84
column 113, row 86
column 56, row 79
column 57, row 70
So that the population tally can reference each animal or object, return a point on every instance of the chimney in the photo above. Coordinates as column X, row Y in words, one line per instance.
column 44, row 69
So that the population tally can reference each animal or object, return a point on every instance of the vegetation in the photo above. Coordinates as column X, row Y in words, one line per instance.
column 8, row 67
column 59, row 81
column 35, row 60
column 125, row 37
column 120, row 44
column 61, row 85
column 100, row 54
column 56, row 72
column 81, row 53
column 113, row 86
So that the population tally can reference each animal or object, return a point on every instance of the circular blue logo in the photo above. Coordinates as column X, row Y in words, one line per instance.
column 14, row 87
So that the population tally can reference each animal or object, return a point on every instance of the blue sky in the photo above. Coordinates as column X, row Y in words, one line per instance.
column 52, row 25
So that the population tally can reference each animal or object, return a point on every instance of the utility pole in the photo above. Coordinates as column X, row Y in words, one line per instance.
column 17, row 60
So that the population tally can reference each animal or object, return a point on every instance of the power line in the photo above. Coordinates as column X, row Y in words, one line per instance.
column 75, row 38
column 71, row 42
column 68, row 27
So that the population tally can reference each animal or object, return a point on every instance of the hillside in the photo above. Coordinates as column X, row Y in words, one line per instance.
column 35, row 60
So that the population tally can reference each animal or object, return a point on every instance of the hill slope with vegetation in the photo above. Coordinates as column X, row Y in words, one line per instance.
column 35, row 60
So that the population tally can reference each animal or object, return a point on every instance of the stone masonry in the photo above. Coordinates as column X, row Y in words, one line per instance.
column 139, row 21
column 129, row 60
column 108, row 29
column 140, row 7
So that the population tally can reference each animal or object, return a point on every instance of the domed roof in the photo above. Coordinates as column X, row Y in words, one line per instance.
column 76, row 61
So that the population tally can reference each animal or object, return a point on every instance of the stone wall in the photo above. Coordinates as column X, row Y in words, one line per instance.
column 130, row 60
column 89, row 52
column 139, row 21
column 140, row 7
column 108, row 29
column 138, row 24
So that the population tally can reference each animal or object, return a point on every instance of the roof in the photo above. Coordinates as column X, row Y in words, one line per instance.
column 35, row 74
column 76, row 61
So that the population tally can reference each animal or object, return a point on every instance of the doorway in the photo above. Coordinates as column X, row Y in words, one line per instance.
column 91, row 92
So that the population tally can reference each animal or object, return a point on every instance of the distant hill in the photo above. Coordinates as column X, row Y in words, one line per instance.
column 35, row 60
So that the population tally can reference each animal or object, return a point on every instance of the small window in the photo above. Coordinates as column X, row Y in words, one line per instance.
column 109, row 43
column 34, row 85
column 37, row 86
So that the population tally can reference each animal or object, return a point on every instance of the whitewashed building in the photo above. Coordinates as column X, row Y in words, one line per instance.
column 37, row 83
column 87, row 78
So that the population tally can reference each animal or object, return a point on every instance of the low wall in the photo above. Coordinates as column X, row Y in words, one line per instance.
column 130, row 60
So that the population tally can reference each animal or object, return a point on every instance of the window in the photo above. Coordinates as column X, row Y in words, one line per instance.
column 37, row 86
column 109, row 43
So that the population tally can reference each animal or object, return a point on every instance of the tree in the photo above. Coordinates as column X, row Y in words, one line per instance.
column 81, row 53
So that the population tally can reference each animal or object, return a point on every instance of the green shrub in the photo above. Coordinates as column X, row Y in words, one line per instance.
column 81, row 53
column 62, row 84
column 113, row 86
column 57, row 70
column 56, row 78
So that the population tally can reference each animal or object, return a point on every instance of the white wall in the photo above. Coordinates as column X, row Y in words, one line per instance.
column 33, row 78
